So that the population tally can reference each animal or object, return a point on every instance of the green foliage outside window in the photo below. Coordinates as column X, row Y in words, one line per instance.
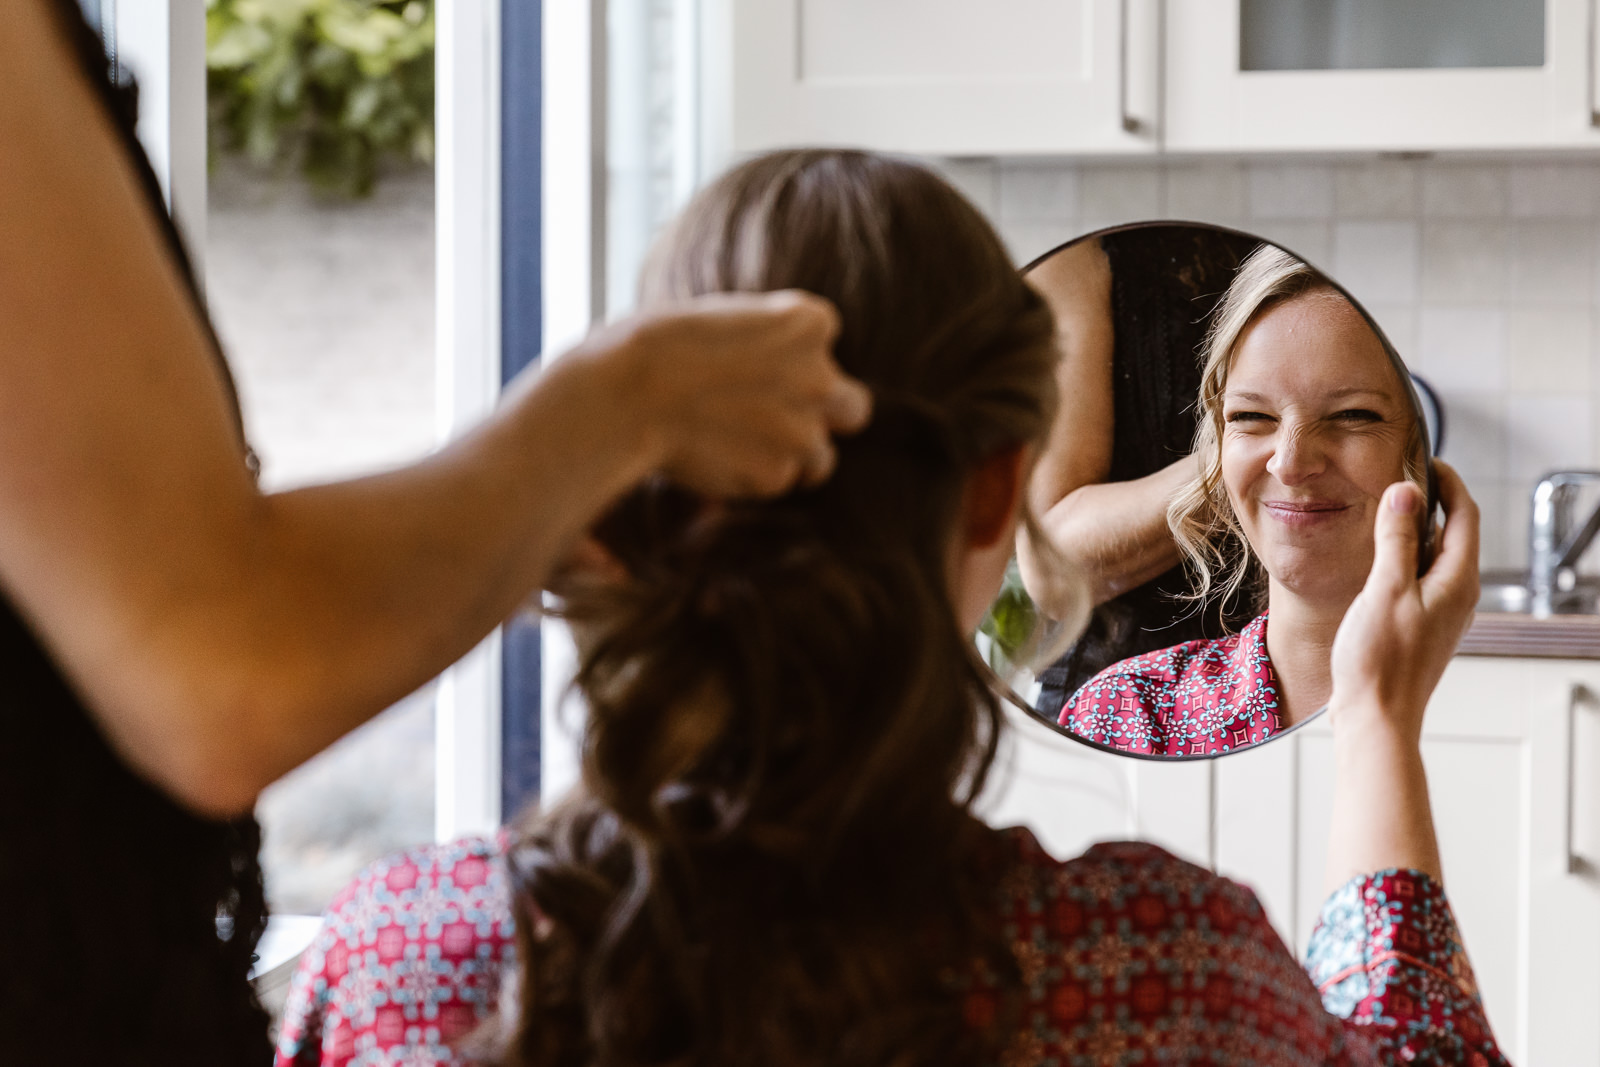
column 333, row 87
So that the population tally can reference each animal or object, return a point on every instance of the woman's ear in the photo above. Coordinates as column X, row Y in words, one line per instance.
column 992, row 496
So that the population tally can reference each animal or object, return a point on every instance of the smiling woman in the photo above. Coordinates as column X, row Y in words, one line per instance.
column 1304, row 418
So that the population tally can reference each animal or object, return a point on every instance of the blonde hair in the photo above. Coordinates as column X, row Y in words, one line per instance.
column 1202, row 520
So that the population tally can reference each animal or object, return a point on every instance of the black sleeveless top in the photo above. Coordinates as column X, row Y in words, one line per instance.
column 127, row 923
column 1166, row 280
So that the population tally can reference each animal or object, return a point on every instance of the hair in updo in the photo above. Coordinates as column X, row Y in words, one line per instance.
column 1202, row 520
column 771, row 857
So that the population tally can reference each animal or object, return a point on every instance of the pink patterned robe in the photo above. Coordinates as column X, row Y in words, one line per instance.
column 1128, row 956
column 1198, row 698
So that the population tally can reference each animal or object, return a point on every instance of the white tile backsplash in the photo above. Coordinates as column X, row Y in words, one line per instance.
column 1461, row 348
column 1028, row 242
column 978, row 180
column 1311, row 241
column 1549, row 350
column 1544, row 431
column 1121, row 194
column 1485, row 276
column 1206, row 192
column 1290, row 191
column 1376, row 189
column 1030, row 193
column 1516, row 508
column 1376, row 261
column 1548, row 264
column 1552, row 190
column 1465, row 262
column 1464, row 191
column 1475, row 435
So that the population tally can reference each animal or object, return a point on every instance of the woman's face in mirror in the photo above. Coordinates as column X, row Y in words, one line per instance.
column 1315, row 426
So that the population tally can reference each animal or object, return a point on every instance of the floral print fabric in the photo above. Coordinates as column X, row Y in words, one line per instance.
column 1128, row 956
column 1196, row 698
column 1387, row 954
column 408, row 960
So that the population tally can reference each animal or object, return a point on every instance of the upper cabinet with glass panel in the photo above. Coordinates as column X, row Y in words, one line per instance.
column 1364, row 75
column 1135, row 77
column 1386, row 35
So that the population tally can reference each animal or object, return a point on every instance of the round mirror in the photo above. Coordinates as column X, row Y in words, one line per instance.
column 1230, row 417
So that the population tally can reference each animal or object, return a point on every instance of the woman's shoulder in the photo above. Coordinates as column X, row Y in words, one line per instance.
column 408, row 958
column 1113, row 874
column 468, row 866
column 1183, row 959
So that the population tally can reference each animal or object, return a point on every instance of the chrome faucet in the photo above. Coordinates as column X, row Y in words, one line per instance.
column 1555, row 542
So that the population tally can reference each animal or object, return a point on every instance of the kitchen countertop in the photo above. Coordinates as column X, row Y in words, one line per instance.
column 1556, row 637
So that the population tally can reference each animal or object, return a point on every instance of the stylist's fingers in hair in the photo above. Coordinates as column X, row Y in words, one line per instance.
column 846, row 404
column 819, row 462
column 739, row 393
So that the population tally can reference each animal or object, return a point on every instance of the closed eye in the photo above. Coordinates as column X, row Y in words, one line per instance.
column 1358, row 415
column 1248, row 416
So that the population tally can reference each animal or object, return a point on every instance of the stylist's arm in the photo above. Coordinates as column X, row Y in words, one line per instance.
column 220, row 636
column 1394, row 644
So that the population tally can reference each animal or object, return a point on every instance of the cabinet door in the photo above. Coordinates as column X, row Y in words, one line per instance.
column 942, row 77
column 1512, row 749
column 1365, row 75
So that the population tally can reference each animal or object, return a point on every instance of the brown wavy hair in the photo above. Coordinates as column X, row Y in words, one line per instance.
column 771, row 856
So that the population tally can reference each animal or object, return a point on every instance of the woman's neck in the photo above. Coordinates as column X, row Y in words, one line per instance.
column 1300, row 644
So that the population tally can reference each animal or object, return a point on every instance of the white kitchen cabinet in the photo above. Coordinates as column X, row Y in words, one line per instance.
column 1328, row 75
column 1136, row 77
column 1512, row 748
column 938, row 77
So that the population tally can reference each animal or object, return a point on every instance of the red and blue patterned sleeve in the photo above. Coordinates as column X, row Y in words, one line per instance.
column 408, row 961
column 1387, row 957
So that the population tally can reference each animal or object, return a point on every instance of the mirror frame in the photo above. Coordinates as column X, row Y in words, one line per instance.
column 1009, row 694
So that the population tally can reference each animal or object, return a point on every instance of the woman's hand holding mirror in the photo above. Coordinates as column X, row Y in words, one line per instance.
column 1392, row 647
column 1400, row 632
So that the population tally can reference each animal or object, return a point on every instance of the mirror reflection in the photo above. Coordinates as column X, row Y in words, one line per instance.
column 1230, row 419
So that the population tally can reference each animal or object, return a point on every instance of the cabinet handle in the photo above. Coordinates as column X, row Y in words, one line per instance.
column 1589, row 103
column 1579, row 697
column 1130, row 123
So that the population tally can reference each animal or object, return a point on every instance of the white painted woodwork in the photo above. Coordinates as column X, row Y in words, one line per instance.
column 1514, row 773
column 1512, row 748
column 163, row 44
column 1103, row 78
column 574, row 279
column 467, row 117
column 1213, row 106
column 939, row 77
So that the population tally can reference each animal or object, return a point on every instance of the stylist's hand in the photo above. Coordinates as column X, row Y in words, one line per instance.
column 1399, row 634
column 737, row 394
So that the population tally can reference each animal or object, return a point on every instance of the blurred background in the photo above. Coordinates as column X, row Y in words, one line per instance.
column 320, row 274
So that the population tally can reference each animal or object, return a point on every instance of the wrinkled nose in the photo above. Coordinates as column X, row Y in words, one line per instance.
column 1296, row 456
